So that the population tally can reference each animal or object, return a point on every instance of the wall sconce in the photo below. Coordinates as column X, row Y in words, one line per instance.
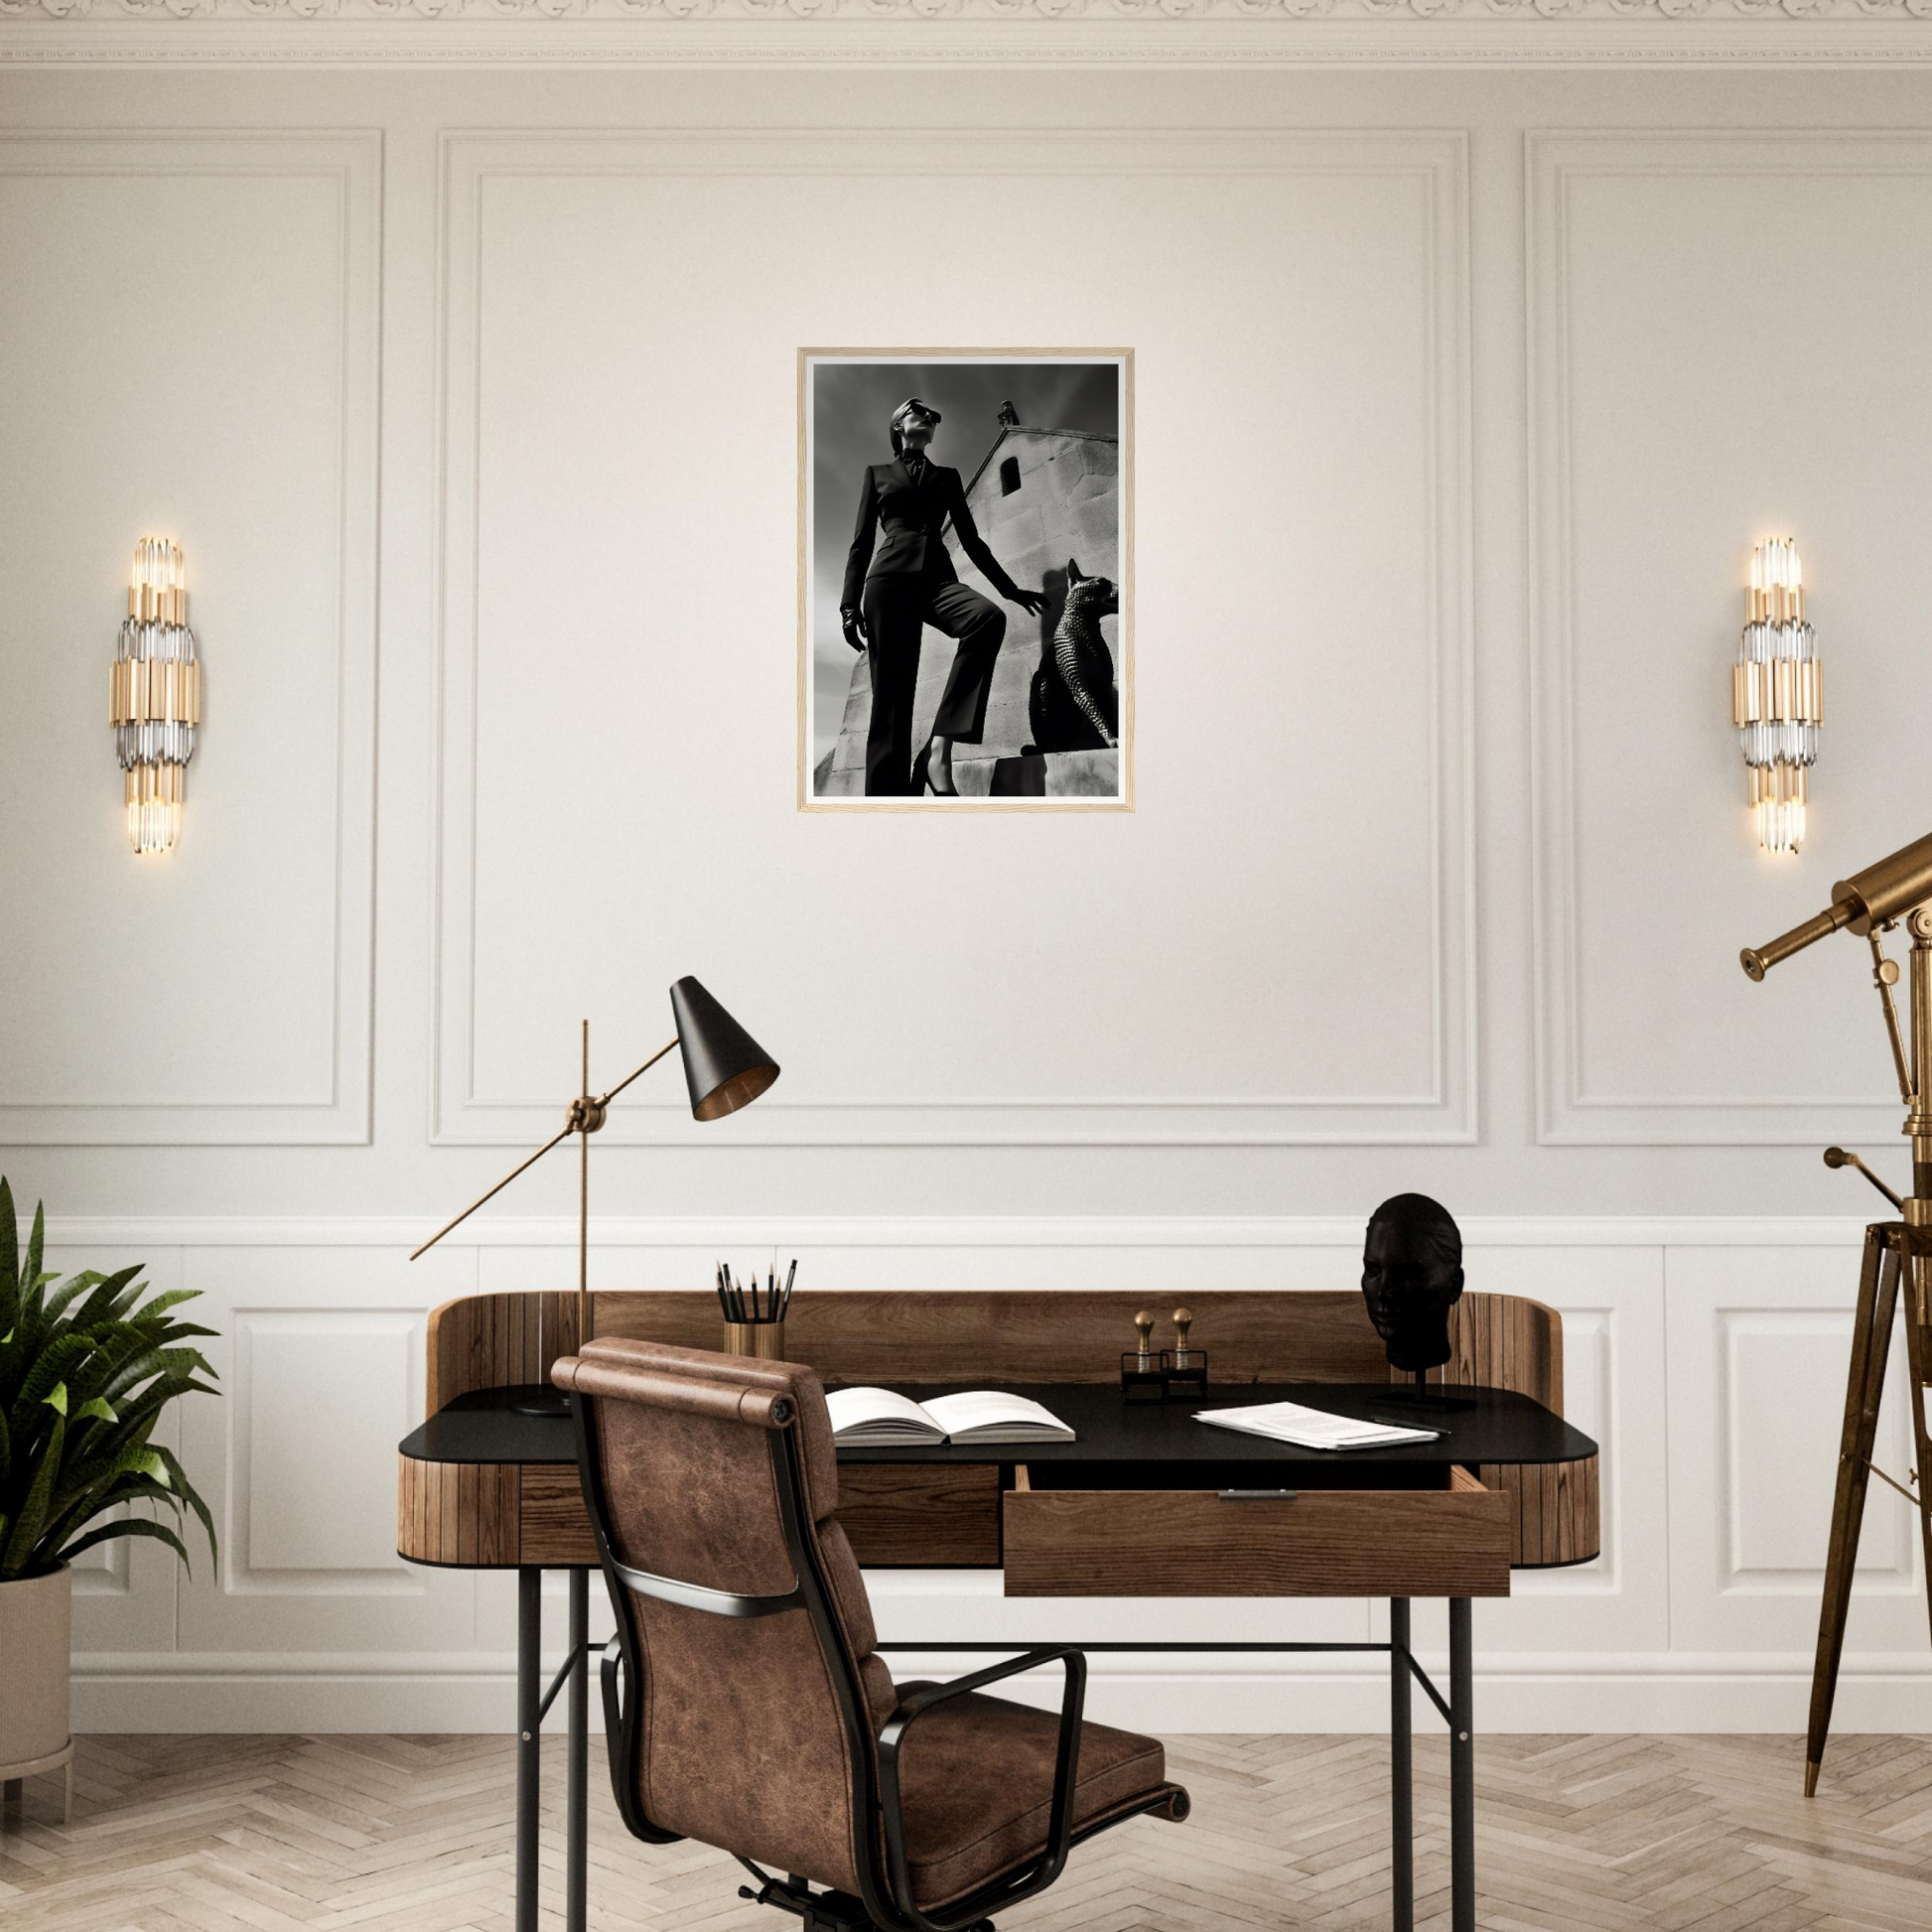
column 1777, row 694
column 155, row 696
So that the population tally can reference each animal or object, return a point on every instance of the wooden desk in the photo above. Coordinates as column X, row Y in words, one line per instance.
column 1132, row 1508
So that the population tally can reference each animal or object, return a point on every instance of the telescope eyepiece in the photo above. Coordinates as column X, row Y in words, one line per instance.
column 1753, row 962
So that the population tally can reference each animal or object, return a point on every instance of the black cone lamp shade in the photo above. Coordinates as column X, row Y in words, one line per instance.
column 723, row 1067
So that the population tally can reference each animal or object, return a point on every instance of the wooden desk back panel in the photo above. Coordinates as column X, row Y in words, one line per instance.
column 1502, row 1342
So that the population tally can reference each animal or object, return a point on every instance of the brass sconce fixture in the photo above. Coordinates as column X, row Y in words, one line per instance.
column 1777, row 694
column 155, row 694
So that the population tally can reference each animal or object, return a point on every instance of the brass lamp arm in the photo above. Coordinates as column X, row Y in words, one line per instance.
column 563, row 1133
column 575, row 1124
column 605, row 1100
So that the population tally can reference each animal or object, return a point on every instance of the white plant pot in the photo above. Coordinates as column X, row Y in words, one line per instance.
column 34, row 1628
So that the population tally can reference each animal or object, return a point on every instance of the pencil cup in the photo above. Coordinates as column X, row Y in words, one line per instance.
column 765, row 1340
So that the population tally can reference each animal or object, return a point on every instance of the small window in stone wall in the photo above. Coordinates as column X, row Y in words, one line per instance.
column 1009, row 475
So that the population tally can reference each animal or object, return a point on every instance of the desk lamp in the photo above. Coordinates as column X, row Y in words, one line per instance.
column 725, row 1069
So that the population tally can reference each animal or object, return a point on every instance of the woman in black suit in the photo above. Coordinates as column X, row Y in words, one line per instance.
column 890, row 594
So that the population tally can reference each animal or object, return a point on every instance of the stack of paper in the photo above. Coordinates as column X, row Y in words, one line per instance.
column 1290, row 1422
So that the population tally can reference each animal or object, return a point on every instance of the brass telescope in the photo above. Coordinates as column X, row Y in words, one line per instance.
column 1897, row 1254
column 1874, row 897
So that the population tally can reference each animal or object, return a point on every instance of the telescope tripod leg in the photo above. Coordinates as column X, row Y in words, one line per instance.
column 1870, row 1345
column 1918, row 1358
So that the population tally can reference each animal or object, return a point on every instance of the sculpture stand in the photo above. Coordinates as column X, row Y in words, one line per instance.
column 1426, row 1402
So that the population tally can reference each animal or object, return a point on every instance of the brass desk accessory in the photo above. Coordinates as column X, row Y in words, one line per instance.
column 1140, row 1367
column 1870, row 904
column 725, row 1069
column 1183, row 1367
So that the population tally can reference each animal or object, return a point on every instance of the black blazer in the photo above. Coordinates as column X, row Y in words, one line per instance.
column 912, row 518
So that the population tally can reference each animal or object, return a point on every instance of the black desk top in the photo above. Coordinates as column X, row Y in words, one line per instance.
column 1498, row 1427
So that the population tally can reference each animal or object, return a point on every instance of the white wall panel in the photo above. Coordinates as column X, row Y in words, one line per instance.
column 198, row 312
column 1760, row 1343
column 600, row 502
column 299, row 1455
column 321, row 1389
column 1614, row 1390
column 1680, row 410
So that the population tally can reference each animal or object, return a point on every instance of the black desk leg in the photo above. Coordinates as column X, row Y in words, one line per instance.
column 1462, row 1771
column 529, row 1739
column 1402, row 1807
column 580, row 1743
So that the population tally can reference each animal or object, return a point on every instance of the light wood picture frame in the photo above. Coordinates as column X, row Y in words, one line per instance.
column 1049, row 503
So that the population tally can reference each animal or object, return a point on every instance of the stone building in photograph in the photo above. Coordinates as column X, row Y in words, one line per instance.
column 1040, row 497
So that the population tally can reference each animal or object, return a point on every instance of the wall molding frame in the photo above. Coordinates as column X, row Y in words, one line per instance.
column 1437, row 162
column 352, row 160
column 1568, row 1115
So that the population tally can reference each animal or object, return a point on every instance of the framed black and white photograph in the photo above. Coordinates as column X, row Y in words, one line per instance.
column 965, row 579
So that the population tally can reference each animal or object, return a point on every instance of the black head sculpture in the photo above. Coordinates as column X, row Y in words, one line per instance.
column 1412, row 1276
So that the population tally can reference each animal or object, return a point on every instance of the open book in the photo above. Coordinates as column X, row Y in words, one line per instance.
column 1289, row 1422
column 879, row 1418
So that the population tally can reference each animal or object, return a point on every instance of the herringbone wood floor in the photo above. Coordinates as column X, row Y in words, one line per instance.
column 1663, row 1833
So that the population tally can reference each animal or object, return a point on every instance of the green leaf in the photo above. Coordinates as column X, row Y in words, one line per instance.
column 173, row 1299
column 9, row 1257
column 87, row 1368
column 186, row 1490
column 131, row 1526
column 19, row 1549
column 62, row 1358
column 30, row 1276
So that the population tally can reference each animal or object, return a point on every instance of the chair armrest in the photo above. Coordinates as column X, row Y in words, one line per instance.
column 1066, row 1764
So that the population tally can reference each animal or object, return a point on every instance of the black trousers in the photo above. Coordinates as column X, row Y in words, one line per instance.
column 897, row 610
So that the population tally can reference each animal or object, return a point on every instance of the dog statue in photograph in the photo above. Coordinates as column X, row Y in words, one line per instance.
column 1073, row 705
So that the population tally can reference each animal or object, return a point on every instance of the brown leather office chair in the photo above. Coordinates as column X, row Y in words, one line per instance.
column 745, row 1704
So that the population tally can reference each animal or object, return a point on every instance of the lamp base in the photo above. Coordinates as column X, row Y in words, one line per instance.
column 539, row 1399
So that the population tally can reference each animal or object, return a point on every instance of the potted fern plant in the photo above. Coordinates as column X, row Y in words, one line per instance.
column 87, row 1369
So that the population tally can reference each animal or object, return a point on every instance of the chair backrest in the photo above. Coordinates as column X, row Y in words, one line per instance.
column 711, row 1480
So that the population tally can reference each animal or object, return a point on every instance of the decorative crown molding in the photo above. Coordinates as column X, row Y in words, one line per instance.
column 866, row 11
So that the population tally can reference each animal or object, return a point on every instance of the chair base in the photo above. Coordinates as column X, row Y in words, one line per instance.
column 821, row 1911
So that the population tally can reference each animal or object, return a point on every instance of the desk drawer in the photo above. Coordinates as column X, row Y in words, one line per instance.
column 922, row 1513
column 1450, row 1539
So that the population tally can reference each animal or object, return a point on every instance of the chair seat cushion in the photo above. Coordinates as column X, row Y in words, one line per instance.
column 976, row 1784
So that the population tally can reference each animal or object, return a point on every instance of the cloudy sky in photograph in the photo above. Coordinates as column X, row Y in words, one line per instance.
column 852, row 405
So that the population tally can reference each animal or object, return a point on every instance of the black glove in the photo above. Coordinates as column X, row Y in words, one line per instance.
column 855, row 628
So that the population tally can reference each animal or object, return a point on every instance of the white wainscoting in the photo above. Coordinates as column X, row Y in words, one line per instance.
column 1707, row 1355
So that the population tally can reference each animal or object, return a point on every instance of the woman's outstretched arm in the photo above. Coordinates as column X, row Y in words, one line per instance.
column 988, row 566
